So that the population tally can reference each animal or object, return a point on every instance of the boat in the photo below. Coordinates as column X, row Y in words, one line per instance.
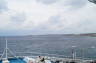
column 37, row 59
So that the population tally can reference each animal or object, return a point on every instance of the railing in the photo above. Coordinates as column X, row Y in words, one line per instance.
column 36, row 54
column 41, row 54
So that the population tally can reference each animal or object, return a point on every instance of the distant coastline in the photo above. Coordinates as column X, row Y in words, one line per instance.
column 82, row 34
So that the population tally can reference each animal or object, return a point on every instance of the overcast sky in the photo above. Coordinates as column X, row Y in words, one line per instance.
column 25, row 17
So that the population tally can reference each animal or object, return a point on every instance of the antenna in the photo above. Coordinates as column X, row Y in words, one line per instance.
column 6, row 49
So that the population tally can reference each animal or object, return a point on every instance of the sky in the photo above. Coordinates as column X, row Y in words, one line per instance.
column 34, row 17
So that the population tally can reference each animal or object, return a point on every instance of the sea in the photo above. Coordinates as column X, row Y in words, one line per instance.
column 50, row 45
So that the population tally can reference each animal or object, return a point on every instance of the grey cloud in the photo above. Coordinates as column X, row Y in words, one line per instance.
column 18, row 18
column 3, row 6
column 75, row 3
column 47, row 1
column 55, row 19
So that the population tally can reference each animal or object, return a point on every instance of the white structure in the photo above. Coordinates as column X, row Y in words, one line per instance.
column 5, row 60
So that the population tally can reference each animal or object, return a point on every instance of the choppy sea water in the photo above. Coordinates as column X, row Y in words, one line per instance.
column 51, row 44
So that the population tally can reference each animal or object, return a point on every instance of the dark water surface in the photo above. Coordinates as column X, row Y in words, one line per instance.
column 52, row 44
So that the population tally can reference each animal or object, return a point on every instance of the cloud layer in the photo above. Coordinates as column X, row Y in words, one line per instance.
column 19, row 17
